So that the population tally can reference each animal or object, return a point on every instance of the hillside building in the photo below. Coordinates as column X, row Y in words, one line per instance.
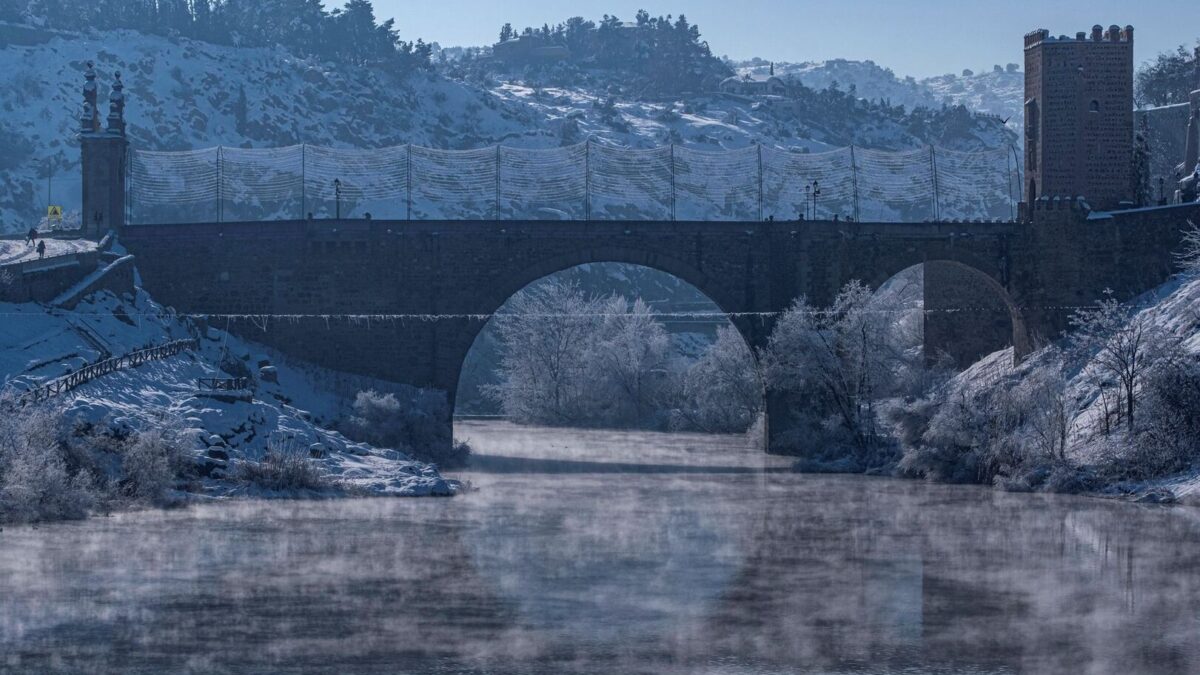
column 753, row 85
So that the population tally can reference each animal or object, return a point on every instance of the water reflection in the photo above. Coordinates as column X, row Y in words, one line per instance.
column 566, row 560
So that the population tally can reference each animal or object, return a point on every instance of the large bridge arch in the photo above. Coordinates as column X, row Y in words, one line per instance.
column 665, row 266
column 753, row 329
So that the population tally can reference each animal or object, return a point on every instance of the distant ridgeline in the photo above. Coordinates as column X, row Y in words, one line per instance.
column 666, row 54
column 349, row 34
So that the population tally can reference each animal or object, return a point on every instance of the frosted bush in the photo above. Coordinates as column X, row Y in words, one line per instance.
column 415, row 426
column 36, row 482
column 285, row 468
column 151, row 461
column 721, row 392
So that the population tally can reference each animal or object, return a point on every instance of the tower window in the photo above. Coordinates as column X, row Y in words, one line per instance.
column 1094, row 106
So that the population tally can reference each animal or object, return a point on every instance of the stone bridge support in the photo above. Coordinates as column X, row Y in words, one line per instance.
column 419, row 292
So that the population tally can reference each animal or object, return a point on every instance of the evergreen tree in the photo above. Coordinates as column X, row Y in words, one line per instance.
column 1142, row 190
column 303, row 26
column 1168, row 79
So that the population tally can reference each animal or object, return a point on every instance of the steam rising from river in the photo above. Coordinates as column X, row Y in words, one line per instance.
column 566, row 558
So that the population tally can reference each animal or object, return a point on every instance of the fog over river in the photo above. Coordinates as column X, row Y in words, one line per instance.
column 614, row 552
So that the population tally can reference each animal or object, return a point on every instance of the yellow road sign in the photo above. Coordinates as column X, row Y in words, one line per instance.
column 54, row 212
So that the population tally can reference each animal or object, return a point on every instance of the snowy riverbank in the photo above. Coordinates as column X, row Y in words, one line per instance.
column 226, row 407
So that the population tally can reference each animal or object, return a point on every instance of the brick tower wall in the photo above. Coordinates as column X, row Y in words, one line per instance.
column 1079, row 115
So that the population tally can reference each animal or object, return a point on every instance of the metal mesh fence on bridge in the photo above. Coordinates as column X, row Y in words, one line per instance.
column 588, row 181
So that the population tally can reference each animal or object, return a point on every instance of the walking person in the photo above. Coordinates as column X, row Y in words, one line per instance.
column 31, row 236
column 41, row 249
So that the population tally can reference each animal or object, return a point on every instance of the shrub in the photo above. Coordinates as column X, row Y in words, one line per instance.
column 285, row 468
column 1169, row 440
column 416, row 427
column 36, row 482
column 151, row 460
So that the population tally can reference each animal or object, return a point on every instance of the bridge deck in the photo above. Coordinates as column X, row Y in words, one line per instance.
column 350, row 228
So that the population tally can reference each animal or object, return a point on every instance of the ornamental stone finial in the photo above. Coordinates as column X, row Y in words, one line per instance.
column 89, row 122
column 116, row 106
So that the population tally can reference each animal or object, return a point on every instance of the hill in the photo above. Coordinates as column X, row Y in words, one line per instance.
column 185, row 93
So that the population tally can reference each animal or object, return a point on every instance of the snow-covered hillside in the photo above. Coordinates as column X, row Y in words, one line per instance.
column 288, row 409
column 185, row 94
column 996, row 90
column 1073, row 402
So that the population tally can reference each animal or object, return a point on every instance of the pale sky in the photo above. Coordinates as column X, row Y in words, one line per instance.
column 912, row 37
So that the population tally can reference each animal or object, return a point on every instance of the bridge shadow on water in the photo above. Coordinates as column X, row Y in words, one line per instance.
column 500, row 447
column 503, row 464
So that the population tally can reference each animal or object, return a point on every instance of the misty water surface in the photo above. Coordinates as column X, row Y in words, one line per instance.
column 615, row 553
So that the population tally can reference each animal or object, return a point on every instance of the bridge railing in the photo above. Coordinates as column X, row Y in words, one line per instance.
column 94, row 370
column 588, row 181
column 223, row 383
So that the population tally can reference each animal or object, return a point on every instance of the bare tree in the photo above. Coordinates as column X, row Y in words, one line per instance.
column 546, row 332
column 843, row 359
column 1048, row 410
column 1120, row 342
column 1189, row 254
column 630, row 354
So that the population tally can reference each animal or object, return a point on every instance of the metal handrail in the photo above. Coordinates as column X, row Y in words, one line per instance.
column 94, row 370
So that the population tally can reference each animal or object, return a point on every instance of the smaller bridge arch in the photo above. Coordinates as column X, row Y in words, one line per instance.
column 967, row 313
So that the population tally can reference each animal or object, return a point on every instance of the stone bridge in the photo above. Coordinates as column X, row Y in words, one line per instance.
column 987, row 285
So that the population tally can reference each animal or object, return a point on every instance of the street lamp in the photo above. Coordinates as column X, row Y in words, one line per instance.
column 816, row 192
column 337, row 195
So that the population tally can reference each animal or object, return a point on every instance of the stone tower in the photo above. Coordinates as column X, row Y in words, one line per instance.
column 103, row 152
column 1079, row 116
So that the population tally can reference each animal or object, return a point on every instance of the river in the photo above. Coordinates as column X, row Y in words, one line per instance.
column 606, row 552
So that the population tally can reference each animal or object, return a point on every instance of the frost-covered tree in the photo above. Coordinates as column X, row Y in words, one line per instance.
column 567, row 358
column 546, row 332
column 36, row 480
column 1120, row 342
column 630, row 355
column 1049, row 413
column 840, row 361
column 721, row 392
column 1189, row 253
column 1168, row 79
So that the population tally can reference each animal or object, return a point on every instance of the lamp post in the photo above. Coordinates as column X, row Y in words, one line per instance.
column 816, row 192
column 337, row 196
